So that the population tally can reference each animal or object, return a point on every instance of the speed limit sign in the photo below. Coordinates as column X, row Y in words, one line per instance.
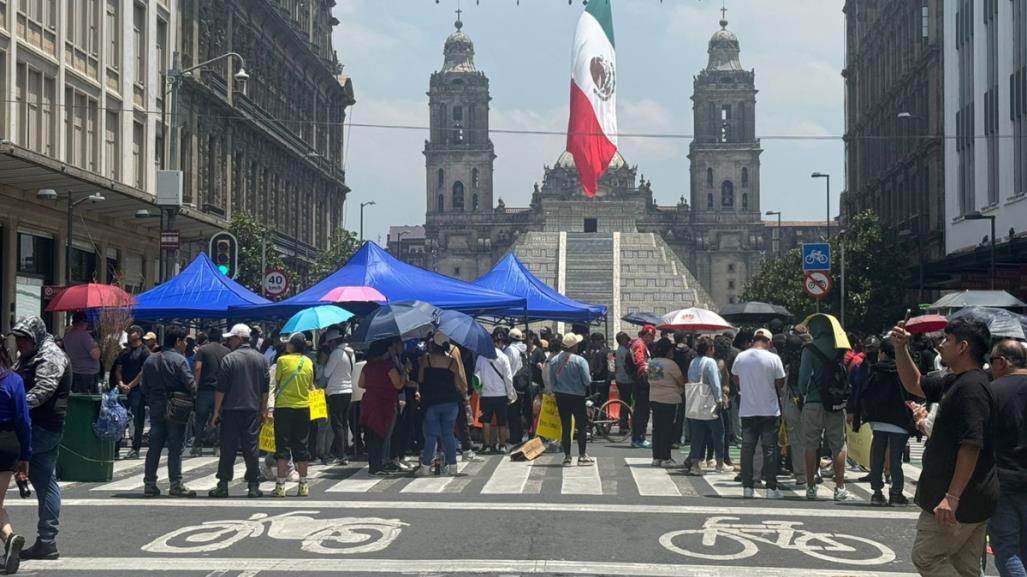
column 275, row 283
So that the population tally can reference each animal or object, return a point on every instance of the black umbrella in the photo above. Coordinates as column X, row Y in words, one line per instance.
column 754, row 312
column 642, row 319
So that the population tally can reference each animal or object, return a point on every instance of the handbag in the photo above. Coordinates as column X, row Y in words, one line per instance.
column 700, row 403
column 179, row 406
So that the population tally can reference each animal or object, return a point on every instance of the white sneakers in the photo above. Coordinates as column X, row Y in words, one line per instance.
column 748, row 493
column 775, row 494
column 657, row 463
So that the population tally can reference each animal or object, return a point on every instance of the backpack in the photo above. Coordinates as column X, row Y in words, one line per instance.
column 835, row 388
column 522, row 378
column 112, row 422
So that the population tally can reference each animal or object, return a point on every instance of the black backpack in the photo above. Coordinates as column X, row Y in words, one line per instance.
column 835, row 388
column 522, row 378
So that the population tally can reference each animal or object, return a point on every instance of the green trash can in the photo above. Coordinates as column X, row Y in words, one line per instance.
column 84, row 457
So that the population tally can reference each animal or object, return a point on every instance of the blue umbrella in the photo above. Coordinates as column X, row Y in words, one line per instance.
column 466, row 332
column 642, row 319
column 408, row 319
column 316, row 318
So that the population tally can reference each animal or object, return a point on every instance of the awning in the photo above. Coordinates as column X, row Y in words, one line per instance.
column 543, row 302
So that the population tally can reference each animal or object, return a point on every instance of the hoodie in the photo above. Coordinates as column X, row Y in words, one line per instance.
column 47, row 376
column 882, row 398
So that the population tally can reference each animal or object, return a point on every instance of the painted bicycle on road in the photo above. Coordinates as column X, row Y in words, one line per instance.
column 342, row 536
column 723, row 539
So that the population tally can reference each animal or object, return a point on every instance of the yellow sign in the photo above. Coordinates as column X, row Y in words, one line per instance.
column 267, row 437
column 859, row 444
column 318, row 405
column 549, row 426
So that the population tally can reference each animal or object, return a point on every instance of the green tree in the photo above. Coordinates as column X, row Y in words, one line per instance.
column 344, row 244
column 875, row 278
column 250, row 235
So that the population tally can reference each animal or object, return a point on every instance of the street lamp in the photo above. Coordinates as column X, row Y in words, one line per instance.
column 828, row 177
column 976, row 215
column 907, row 234
column 50, row 194
column 362, row 205
column 780, row 239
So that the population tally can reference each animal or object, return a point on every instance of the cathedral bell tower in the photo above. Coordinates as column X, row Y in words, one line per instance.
column 459, row 155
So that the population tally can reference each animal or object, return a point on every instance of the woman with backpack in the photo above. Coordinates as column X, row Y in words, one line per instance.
column 294, row 379
column 442, row 386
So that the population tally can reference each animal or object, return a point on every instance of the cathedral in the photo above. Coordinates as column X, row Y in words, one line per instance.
column 619, row 248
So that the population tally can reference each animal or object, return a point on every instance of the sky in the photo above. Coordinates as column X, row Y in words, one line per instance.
column 390, row 48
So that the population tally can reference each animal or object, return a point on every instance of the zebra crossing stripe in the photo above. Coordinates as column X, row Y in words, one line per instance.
column 581, row 480
column 508, row 478
column 135, row 482
column 359, row 482
column 210, row 481
column 651, row 481
column 433, row 484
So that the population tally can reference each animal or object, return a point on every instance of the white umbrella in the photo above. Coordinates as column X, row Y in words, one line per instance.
column 695, row 320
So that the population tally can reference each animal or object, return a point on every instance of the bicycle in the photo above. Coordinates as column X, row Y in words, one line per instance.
column 603, row 419
column 783, row 534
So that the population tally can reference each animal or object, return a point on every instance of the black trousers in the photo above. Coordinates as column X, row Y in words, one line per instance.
column 519, row 416
column 641, row 412
column 463, row 427
column 663, row 429
column 338, row 415
column 375, row 445
column 572, row 406
column 626, row 393
column 239, row 430
column 679, row 424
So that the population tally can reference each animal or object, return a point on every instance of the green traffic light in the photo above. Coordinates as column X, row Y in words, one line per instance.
column 224, row 269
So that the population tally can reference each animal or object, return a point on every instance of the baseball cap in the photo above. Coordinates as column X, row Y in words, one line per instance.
column 650, row 329
column 763, row 334
column 150, row 336
column 516, row 335
column 440, row 338
column 240, row 330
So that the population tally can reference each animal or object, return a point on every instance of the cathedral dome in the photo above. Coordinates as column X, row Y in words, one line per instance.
column 459, row 51
column 566, row 160
column 724, row 50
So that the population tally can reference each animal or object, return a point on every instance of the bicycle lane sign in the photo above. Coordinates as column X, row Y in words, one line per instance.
column 816, row 257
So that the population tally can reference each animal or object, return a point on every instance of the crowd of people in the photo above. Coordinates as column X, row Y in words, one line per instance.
column 787, row 396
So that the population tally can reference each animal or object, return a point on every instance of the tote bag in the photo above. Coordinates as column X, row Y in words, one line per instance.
column 700, row 403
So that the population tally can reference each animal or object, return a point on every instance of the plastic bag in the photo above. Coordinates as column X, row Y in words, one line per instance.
column 112, row 422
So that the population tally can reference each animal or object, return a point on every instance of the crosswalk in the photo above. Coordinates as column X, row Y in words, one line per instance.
column 493, row 475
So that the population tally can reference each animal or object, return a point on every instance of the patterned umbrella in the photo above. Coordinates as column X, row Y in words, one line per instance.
column 694, row 320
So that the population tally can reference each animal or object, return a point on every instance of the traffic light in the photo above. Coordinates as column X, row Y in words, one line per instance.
column 224, row 251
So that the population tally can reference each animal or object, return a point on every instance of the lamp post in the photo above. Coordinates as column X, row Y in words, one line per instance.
column 976, row 215
column 399, row 243
column 828, row 177
column 907, row 234
column 780, row 239
column 51, row 194
column 362, row 205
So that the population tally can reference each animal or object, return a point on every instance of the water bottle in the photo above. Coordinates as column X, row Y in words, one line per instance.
column 23, row 485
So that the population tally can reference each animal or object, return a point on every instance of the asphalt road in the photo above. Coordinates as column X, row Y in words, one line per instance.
column 621, row 517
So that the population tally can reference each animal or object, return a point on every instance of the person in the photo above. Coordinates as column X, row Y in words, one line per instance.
column 791, row 408
column 958, row 488
column 294, row 379
column 519, row 412
column 683, row 357
column 46, row 372
column 819, row 419
column 442, row 386
column 150, row 340
column 623, row 376
column 598, row 357
column 205, row 370
column 1008, row 527
column 497, row 392
column 759, row 376
column 128, row 373
column 666, row 387
column 164, row 374
column 240, row 404
column 640, row 362
column 571, row 381
column 84, row 354
column 339, row 392
column 882, row 403
column 704, row 370
column 15, row 452
column 381, row 379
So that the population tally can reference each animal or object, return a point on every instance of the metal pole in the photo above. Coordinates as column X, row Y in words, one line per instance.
column 263, row 254
column 780, row 235
column 992, row 219
column 67, row 245
column 164, row 122
column 828, row 207
column 843, row 283
column 361, row 223
column 174, row 147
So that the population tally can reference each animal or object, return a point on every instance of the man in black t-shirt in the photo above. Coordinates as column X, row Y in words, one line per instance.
column 205, row 372
column 128, row 371
column 958, row 486
column 1008, row 529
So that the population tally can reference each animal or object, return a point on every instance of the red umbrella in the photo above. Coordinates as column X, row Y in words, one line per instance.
column 926, row 324
column 90, row 296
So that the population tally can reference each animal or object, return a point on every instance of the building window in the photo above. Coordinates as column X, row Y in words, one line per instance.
column 80, row 123
column 139, row 153
column 1018, row 96
column 745, row 177
column 113, row 26
column 725, row 122
column 709, row 177
column 709, row 200
column 474, row 178
column 456, row 271
column 458, row 195
column 727, row 194
column 991, row 109
column 111, row 152
column 36, row 99
column 474, row 201
column 442, row 203
column 36, row 256
column 139, row 44
column 731, row 267
column 458, row 113
column 965, row 133
column 731, row 285
column 37, row 23
column 83, row 266
column 591, row 225
column 745, row 200
column 441, row 182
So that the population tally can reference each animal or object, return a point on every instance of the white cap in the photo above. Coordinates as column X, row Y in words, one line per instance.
column 240, row 330
column 440, row 338
column 516, row 335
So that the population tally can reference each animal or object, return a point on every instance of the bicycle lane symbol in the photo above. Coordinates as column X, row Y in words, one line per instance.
column 723, row 539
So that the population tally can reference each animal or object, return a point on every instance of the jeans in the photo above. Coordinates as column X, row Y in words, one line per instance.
column 703, row 432
column 1008, row 531
column 762, row 430
column 726, row 418
column 663, row 429
column 204, row 408
column 439, row 421
column 164, row 433
column 338, row 414
column 572, row 406
column 137, row 405
column 878, row 447
column 43, row 476
column 641, row 413
column 626, row 393
column 239, row 430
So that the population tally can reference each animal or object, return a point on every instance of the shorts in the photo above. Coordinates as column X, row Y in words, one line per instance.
column 10, row 451
column 292, row 434
column 817, row 421
column 494, row 406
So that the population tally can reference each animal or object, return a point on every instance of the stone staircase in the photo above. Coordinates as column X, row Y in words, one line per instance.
column 588, row 268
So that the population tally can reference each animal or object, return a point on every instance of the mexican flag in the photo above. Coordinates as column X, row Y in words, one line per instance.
column 592, row 131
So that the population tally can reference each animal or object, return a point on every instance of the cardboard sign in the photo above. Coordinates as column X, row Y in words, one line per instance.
column 267, row 437
column 318, row 405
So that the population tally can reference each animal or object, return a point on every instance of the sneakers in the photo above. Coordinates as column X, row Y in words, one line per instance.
column 642, row 444
column 567, row 461
column 133, row 454
column 151, row 490
column 504, row 450
column 722, row 468
column 878, row 499
column 180, row 490
column 253, row 491
column 41, row 551
column 710, row 463
column 695, row 469
column 303, row 490
column 841, row 495
column 897, row 500
column 279, row 491
column 12, row 554
column 748, row 493
column 670, row 463
column 448, row 471
column 196, row 451
column 422, row 471
column 469, row 456
column 811, row 493
column 219, row 492
column 775, row 494
column 585, row 460
column 657, row 463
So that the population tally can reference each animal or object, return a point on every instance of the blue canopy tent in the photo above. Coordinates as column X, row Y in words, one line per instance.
column 398, row 281
column 200, row 291
column 543, row 303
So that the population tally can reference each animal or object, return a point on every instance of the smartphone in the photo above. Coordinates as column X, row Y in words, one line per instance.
column 909, row 314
